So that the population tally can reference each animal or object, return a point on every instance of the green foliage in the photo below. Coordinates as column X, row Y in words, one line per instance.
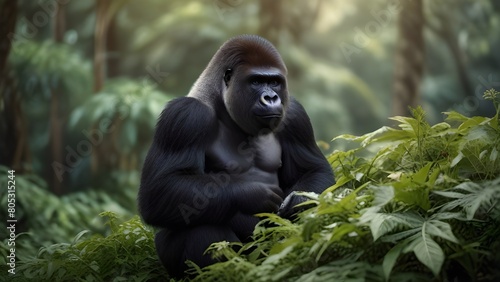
column 126, row 108
column 415, row 203
column 45, row 66
column 411, row 204
column 127, row 254
column 122, row 118
column 44, row 218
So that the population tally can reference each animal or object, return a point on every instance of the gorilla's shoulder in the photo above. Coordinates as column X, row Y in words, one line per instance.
column 185, row 121
column 296, row 114
column 296, row 124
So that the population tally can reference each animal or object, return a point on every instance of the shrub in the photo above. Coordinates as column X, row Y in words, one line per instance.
column 418, row 203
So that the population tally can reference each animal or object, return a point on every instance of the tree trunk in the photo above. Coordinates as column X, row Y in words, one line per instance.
column 271, row 16
column 101, row 26
column 446, row 33
column 56, row 122
column 409, row 60
column 105, row 12
column 14, row 144
column 112, row 49
column 8, row 14
column 59, row 22
column 56, row 145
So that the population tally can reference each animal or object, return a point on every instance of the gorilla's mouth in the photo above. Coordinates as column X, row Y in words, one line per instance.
column 270, row 116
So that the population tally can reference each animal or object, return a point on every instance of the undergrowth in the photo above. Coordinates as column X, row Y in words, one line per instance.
column 416, row 203
column 127, row 254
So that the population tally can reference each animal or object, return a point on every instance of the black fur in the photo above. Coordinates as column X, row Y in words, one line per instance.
column 235, row 146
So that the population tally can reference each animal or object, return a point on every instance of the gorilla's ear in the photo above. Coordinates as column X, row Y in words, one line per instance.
column 227, row 76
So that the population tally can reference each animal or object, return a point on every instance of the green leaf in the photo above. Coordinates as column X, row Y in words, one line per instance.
column 76, row 117
column 454, row 195
column 411, row 219
column 281, row 274
column 483, row 133
column 471, row 196
column 393, row 238
column 440, row 229
column 391, row 257
column 348, row 137
column 412, row 193
column 382, row 195
column 383, row 134
column 433, row 177
column 421, row 175
column 275, row 258
column 429, row 253
column 382, row 224
column 290, row 242
column 342, row 180
column 406, row 123
column 342, row 230
column 80, row 235
column 471, row 122
column 457, row 159
column 441, row 126
column 455, row 116
column 493, row 155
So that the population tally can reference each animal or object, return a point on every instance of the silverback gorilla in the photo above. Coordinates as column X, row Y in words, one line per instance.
column 237, row 145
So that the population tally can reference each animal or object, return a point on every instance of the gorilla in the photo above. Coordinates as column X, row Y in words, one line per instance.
column 237, row 145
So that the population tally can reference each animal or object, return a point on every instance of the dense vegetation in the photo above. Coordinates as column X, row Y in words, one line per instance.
column 82, row 84
column 417, row 203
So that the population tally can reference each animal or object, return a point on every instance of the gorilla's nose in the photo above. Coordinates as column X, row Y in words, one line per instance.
column 270, row 99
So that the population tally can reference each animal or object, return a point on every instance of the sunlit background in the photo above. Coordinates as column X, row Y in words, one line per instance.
column 83, row 82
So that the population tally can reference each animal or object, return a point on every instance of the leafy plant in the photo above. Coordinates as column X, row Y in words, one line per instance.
column 45, row 219
column 129, row 110
column 127, row 254
column 121, row 119
column 415, row 203
column 411, row 204
column 44, row 66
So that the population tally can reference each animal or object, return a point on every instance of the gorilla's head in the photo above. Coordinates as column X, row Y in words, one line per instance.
column 250, row 79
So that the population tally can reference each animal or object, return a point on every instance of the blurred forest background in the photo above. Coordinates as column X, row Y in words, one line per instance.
column 82, row 82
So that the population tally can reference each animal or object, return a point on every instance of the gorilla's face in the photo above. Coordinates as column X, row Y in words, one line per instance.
column 256, row 98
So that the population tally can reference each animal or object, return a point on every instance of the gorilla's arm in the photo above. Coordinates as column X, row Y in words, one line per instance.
column 304, row 166
column 174, row 167
column 176, row 190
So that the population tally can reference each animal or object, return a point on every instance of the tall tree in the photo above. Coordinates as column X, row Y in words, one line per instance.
column 56, row 120
column 113, row 49
column 442, row 27
column 14, row 144
column 105, row 11
column 271, row 19
column 409, row 60
column 8, row 15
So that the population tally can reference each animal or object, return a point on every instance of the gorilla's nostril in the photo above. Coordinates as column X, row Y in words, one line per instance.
column 270, row 99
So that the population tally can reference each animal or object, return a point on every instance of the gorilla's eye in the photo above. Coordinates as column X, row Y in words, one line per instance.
column 227, row 75
column 273, row 83
column 255, row 80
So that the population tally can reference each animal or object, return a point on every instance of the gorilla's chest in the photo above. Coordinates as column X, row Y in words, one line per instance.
column 236, row 153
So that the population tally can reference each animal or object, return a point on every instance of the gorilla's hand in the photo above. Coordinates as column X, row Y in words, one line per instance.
column 257, row 197
column 289, row 209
